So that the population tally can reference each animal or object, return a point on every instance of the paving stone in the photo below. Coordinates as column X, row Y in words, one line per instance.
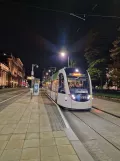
column 13, row 126
column 1, row 151
column 47, row 142
column 11, row 155
column 66, row 150
column 22, row 126
column 30, row 160
column 17, row 137
column 33, row 133
column 62, row 141
column 45, row 129
column 69, row 158
column 34, row 121
column 44, row 135
column 17, row 131
column 33, row 128
column 3, row 144
column 32, row 136
column 5, row 137
column 7, row 131
column 30, row 153
column 11, row 122
column 2, row 123
column 24, row 121
column 34, row 143
column 50, row 151
column 12, row 144
column 50, row 159
column 59, row 134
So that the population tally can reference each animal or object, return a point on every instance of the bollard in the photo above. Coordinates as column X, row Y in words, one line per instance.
column 31, row 92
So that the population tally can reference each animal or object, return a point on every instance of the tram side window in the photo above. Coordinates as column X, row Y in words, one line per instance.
column 61, row 84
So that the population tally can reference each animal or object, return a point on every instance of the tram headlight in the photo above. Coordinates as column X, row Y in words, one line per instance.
column 73, row 96
column 88, row 97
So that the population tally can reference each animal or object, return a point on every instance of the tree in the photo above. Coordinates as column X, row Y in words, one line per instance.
column 96, row 66
column 114, row 67
column 97, row 56
column 115, row 52
column 114, row 76
column 72, row 63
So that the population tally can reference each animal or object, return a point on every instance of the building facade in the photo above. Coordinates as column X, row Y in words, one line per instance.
column 17, row 72
column 12, row 71
column 4, row 73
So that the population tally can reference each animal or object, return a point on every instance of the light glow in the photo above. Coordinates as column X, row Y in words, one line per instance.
column 76, row 74
column 63, row 54
column 88, row 97
column 73, row 96
column 76, row 70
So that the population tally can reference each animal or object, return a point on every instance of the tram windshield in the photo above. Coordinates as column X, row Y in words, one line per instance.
column 78, row 84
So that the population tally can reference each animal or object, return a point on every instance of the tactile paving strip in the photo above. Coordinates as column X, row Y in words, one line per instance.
column 55, row 118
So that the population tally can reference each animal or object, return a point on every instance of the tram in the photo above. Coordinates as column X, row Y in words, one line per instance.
column 71, row 88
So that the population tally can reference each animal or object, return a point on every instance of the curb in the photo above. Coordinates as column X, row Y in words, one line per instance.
column 106, row 112
column 107, row 99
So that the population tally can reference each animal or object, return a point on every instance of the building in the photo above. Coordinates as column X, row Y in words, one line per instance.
column 15, row 73
column 4, row 74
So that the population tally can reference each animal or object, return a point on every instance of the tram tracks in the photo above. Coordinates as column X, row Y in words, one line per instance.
column 96, row 131
column 106, row 116
column 9, row 97
column 100, row 135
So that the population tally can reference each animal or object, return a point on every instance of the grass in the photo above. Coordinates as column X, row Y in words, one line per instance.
column 108, row 95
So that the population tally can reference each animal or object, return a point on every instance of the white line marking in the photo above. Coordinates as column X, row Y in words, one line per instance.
column 63, row 117
column 11, row 98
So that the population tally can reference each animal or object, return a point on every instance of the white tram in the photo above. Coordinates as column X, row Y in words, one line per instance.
column 70, row 88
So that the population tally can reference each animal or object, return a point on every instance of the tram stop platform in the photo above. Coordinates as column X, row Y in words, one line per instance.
column 35, row 130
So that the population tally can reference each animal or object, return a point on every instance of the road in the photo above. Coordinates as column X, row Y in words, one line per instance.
column 8, row 96
column 98, row 131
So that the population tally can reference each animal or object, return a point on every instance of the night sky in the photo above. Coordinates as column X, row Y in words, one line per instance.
column 37, row 36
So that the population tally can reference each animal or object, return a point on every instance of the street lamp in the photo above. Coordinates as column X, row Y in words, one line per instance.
column 63, row 54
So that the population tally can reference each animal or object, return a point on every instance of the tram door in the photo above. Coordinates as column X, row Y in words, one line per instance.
column 56, row 90
column 63, row 98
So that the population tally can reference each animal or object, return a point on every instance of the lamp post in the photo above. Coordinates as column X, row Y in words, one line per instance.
column 63, row 54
